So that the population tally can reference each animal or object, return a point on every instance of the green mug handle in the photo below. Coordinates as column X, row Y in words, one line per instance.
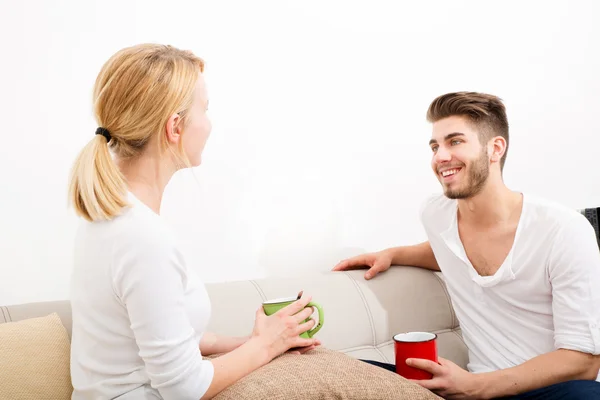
column 318, row 327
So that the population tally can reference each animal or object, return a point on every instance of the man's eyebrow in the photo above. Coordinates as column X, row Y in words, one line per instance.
column 448, row 136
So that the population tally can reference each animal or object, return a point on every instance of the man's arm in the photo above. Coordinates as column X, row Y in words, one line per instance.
column 419, row 255
column 574, row 274
column 541, row 371
column 451, row 381
column 212, row 343
column 573, row 270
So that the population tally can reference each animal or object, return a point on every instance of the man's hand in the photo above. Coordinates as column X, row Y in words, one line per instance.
column 376, row 262
column 449, row 380
column 420, row 255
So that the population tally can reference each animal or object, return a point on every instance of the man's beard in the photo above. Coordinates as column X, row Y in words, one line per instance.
column 477, row 174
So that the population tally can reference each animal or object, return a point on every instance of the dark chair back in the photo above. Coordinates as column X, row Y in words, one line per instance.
column 592, row 215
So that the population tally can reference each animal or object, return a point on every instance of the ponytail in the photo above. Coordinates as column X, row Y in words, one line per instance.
column 135, row 93
column 97, row 189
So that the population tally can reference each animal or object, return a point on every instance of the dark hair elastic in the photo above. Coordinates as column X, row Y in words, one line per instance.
column 104, row 132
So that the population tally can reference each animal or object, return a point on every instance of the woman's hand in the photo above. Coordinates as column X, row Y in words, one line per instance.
column 281, row 331
column 302, row 350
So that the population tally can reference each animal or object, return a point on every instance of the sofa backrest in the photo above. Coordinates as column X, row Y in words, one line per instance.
column 33, row 310
column 361, row 316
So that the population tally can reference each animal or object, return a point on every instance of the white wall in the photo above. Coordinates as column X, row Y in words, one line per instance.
column 319, row 148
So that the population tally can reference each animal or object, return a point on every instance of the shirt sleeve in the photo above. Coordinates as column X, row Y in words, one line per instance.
column 150, row 282
column 574, row 272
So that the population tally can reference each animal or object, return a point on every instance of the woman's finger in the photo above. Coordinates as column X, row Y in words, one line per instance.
column 295, row 307
column 302, row 315
column 306, row 349
column 308, row 325
column 302, row 342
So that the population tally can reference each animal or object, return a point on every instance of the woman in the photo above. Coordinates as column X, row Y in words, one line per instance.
column 139, row 312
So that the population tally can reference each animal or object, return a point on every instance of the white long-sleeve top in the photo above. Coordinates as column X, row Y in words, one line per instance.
column 545, row 296
column 138, row 312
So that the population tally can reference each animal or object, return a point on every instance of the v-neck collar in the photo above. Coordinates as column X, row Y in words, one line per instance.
column 506, row 272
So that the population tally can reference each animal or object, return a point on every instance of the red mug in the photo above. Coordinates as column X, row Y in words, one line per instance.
column 414, row 345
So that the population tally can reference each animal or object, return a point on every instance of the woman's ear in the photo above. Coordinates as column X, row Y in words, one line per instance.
column 173, row 129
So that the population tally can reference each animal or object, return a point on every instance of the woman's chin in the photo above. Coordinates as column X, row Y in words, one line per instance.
column 196, row 163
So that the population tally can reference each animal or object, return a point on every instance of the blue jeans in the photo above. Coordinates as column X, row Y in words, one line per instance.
column 570, row 390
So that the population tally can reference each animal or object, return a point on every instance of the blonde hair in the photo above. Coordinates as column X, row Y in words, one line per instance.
column 138, row 89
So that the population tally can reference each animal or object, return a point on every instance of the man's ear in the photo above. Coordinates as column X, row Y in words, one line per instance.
column 497, row 148
column 173, row 129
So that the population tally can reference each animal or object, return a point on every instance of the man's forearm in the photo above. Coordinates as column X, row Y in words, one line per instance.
column 541, row 371
column 420, row 255
column 214, row 344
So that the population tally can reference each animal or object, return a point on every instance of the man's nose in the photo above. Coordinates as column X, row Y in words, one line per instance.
column 442, row 155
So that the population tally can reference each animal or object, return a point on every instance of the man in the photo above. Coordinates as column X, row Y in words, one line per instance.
column 523, row 273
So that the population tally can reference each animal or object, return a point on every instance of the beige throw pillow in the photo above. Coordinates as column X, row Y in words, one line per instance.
column 323, row 374
column 34, row 360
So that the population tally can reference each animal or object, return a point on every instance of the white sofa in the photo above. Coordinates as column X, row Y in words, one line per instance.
column 361, row 316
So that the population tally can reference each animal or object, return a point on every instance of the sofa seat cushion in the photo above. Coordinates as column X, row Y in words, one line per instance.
column 323, row 374
column 35, row 359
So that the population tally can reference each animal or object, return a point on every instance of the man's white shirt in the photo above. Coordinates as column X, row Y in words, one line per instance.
column 545, row 296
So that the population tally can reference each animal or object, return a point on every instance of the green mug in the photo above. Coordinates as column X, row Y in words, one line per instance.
column 274, row 305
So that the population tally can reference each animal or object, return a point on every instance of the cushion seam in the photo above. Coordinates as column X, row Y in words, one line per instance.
column 362, row 296
column 388, row 342
column 364, row 347
column 459, row 336
column 8, row 312
column 260, row 292
column 442, row 284
column 381, row 354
